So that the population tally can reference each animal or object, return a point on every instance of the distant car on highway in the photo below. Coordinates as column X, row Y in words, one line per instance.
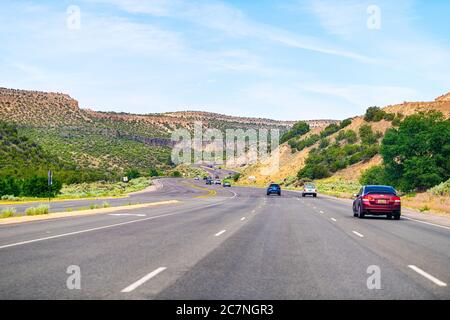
column 209, row 181
column 227, row 183
column 377, row 200
column 197, row 178
column 309, row 190
column 217, row 181
column 274, row 189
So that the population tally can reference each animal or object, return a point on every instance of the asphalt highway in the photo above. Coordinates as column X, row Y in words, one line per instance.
column 232, row 243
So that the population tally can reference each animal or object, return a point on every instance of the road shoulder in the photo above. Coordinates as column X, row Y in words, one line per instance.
column 59, row 215
column 407, row 213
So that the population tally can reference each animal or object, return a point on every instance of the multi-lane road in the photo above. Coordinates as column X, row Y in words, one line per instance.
column 232, row 243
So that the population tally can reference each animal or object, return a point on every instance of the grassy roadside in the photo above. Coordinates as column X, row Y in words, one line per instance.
column 86, row 191
column 80, row 212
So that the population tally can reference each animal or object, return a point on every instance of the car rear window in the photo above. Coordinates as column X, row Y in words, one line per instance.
column 311, row 186
column 274, row 186
column 380, row 189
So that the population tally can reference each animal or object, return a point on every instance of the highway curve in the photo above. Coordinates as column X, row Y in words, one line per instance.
column 232, row 243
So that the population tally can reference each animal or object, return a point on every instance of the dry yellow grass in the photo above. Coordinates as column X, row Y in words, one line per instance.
column 427, row 202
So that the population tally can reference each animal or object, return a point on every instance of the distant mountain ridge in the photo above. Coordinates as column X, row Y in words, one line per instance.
column 42, row 108
column 111, row 141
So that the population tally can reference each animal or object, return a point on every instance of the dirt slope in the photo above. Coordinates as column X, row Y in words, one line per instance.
column 291, row 163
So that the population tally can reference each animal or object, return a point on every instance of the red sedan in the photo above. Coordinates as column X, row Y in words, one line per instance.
column 377, row 200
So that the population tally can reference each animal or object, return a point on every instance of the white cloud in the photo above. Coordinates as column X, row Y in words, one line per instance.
column 233, row 22
column 343, row 18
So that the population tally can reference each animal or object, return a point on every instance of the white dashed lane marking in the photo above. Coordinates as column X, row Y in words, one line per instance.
column 220, row 233
column 143, row 280
column 358, row 234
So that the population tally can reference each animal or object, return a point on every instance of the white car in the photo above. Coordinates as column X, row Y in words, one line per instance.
column 309, row 190
column 197, row 178
column 217, row 181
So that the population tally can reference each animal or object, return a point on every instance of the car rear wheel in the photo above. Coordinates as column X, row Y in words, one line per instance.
column 389, row 216
column 315, row 195
column 360, row 213
column 397, row 216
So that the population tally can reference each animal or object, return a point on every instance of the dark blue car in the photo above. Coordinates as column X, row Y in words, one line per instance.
column 274, row 189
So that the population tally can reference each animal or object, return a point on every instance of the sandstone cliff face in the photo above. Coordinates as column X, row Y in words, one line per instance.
column 39, row 109
column 445, row 97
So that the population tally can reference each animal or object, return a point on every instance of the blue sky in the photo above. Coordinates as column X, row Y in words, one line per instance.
column 286, row 60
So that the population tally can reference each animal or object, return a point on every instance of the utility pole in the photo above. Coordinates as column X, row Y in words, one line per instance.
column 50, row 183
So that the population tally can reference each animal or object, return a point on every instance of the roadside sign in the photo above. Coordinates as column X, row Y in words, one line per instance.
column 50, row 177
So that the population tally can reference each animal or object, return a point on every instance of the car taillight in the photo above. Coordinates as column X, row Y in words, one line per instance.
column 367, row 199
column 396, row 200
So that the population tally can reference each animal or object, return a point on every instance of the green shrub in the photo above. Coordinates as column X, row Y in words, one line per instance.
column 176, row 174
column 417, row 153
column 8, row 213
column 10, row 198
column 389, row 117
column 442, row 189
column 324, row 143
column 340, row 136
column 10, row 186
column 369, row 152
column 154, row 172
column 345, row 123
column 315, row 171
column 236, row 177
column 329, row 130
column 40, row 210
column 299, row 129
column 302, row 144
column 133, row 174
column 38, row 187
column 368, row 136
column 349, row 135
column 374, row 114
column 374, row 176
column 106, row 204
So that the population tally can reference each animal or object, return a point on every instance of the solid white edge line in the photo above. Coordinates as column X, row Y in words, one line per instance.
column 428, row 276
column 143, row 280
column 106, row 227
column 428, row 223
column 243, row 218
column 358, row 234
column 84, row 231
column 333, row 219
column 322, row 212
column 220, row 233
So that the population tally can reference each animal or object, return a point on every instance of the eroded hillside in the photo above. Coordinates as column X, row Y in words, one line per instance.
column 291, row 161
